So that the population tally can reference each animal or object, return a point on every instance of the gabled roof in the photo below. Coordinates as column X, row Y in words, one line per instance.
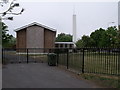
column 34, row 23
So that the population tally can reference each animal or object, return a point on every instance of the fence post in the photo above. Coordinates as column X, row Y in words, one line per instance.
column 118, row 59
column 57, row 58
column 67, row 58
column 27, row 56
column 83, row 62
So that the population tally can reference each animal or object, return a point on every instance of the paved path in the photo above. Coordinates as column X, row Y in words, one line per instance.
column 40, row 75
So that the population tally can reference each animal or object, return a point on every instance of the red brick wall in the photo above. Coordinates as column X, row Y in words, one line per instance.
column 21, row 39
column 49, row 38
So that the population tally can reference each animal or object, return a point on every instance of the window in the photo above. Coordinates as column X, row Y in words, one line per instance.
column 56, row 45
column 70, row 45
column 66, row 45
column 61, row 45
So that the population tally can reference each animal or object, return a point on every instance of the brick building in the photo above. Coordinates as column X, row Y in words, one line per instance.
column 35, row 35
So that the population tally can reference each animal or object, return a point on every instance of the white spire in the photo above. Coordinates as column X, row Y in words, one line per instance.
column 74, row 25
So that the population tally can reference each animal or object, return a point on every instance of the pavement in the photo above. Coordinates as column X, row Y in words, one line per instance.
column 40, row 75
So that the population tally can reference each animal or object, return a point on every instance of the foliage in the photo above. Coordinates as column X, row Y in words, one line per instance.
column 10, row 9
column 79, row 43
column 101, row 38
column 98, row 36
column 102, row 80
column 86, row 41
column 7, row 39
column 62, row 37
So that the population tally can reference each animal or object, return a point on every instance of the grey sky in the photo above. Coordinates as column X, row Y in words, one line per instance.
column 58, row 15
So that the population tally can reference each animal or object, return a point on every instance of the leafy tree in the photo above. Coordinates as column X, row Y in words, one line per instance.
column 105, row 38
column 10, row 9
column 79, row 43
column 97, row 37
column 104, row 41
column 62, row 37
column 118, row 38
column 101, row 38
column 86, row 41
column 112, row 35
column 7, row 39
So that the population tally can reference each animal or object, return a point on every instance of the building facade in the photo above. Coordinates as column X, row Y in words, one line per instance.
column 35, row 35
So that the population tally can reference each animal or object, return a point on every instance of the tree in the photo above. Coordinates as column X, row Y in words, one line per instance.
column 86, row 41
column 118, row 37
column 9, row 10
column 101, row 38
column 97, row 37
column 112, row 35
column 62, row 37
column 7, row 39
column 79, row 43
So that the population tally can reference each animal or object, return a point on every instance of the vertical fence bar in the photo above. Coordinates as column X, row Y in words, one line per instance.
column 108, row 61
column 83, row 62
column 67, row 58
column 57, row 59
column 117, row 65
column 20, row 60
column 89, row 58
column 114, row 63
column 113, row 60
column 27, row 56
column 112, row 55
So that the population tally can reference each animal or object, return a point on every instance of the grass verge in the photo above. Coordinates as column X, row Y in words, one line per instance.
column 105, row 81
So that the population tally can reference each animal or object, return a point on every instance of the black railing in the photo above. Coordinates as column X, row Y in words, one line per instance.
column 83, row 60
column 92, row 60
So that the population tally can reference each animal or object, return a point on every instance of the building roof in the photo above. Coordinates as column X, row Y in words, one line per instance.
column 34, row 23
column 64, row 42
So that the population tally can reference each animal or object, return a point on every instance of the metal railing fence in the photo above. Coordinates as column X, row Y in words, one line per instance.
column 84, row 60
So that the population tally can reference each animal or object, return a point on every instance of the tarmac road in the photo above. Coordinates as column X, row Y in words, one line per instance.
column 40, row 75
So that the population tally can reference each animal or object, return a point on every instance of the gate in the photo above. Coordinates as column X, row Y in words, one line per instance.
column 29, row 55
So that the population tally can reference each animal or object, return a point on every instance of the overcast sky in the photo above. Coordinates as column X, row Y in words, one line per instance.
column 58, row 15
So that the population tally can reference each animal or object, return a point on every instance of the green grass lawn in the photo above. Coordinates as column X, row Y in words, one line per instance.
column 102, row 80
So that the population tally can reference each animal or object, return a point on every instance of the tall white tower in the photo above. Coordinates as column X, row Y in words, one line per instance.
column 74, row 28
column 74, row 25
